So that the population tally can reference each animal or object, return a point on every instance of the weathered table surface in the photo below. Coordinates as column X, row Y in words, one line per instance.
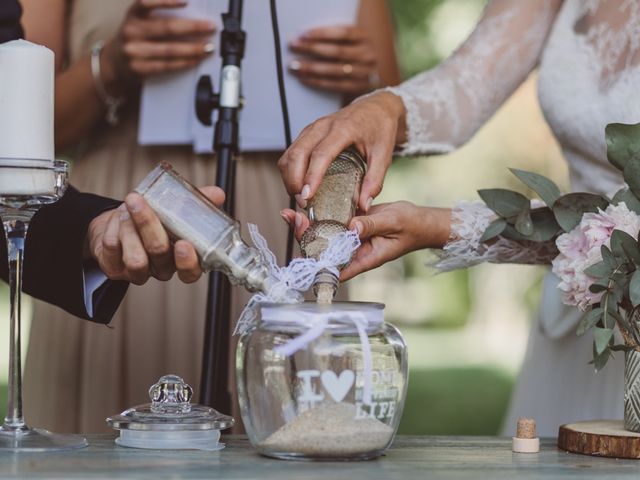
column 410, row 458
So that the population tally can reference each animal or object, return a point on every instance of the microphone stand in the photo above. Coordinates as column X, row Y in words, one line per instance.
column 215, row 359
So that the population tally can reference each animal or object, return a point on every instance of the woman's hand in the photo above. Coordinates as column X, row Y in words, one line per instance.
column 389, row 231
column 129, row 243
column 149, row 44
column 338, row 58
column 374, row 125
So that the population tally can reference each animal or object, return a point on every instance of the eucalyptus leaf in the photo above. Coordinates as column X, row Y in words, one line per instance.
column 570, row 208
column 601, row 337
column 494, row 229
column 505, row 203
column 624, row 246
column 599, row 285
column 548, row 191
column 623, row 143
column 524, row 224
column 611, row 316
column 599, row 270
column 600, row 361
column 634, row 289
column 545, row 226
column 631, row 175
column 630, row 200
column 589, row 320
column 608, row 257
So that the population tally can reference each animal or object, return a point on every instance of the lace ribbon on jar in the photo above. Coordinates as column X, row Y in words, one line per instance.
column 292, row 281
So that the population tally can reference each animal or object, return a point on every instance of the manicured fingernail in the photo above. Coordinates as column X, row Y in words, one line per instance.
column 285, row 217
column 295, row 65
column 298, row 219
column 122, row 207
column 368, row 204
column 209, row 47
column 358, row 226
column 124, row 216
column 300, row 201
column 305, row 192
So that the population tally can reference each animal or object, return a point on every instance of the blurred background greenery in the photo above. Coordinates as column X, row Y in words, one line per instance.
column 466, row 330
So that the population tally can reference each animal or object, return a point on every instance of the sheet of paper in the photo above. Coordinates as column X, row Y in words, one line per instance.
column 167, row 111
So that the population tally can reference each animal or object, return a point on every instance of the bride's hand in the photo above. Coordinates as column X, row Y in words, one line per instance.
column 389, row 231
column 374, row 125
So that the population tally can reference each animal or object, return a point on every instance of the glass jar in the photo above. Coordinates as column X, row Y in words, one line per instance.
column 321, row 381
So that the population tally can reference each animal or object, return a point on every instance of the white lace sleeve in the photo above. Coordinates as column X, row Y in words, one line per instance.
column 446, row 105
column 464, row 249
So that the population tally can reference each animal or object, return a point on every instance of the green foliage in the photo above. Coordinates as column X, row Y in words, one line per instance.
column 617, row 276
column 570, row 208
column 548, row 191
column 456, row 401
column 506, row 203
column 623, row 144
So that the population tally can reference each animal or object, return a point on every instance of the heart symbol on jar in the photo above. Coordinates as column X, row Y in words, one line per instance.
column 338, row 386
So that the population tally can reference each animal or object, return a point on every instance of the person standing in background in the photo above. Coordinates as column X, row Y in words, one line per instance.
column 159, row 327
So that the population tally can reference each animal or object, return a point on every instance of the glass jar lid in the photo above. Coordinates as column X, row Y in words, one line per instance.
column 337, row 317
column 170, row 409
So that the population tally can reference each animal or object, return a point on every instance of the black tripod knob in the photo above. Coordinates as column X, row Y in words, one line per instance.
column 206, row 100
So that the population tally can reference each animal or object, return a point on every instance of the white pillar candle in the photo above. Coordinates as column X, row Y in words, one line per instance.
column 26, row 101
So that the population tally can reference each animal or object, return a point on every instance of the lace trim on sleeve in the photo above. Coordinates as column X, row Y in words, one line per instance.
column 469, row 220
column 448, row 104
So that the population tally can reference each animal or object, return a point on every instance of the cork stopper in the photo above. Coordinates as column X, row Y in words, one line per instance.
column 526, row 428
column 525, row 440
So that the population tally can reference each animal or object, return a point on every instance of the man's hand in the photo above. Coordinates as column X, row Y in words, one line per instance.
column 129, row 243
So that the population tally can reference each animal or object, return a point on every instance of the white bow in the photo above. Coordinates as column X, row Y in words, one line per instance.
column 297, row 277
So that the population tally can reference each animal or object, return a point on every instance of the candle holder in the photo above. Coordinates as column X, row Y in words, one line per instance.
column 25, row 186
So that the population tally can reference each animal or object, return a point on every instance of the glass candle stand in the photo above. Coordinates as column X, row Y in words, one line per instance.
column 25, row 186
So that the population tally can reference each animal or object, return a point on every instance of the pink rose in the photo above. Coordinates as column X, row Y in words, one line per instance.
column 580, row 248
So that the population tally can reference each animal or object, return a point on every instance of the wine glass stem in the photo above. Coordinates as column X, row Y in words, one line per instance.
column 16, row 232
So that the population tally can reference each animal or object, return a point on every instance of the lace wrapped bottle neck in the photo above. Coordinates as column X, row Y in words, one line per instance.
column 287, row 284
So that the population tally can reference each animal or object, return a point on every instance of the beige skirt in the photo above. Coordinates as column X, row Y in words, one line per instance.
column 77, row 372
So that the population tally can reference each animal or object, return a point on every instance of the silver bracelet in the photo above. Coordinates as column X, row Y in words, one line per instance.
column 112, row 103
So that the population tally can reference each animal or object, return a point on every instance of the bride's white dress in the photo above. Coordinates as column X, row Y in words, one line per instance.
column 588, row 56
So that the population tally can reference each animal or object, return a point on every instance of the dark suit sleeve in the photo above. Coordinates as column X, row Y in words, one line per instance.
column 54, row 264
column 10, row 12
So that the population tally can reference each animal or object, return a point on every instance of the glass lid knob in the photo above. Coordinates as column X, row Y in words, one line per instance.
column 170, row 395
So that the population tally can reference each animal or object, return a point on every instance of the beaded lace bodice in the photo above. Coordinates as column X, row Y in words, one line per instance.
column 588, row 55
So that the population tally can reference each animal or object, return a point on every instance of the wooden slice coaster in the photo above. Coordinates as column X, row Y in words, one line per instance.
column 602, row 438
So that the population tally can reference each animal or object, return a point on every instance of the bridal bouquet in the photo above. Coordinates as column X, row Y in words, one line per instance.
column 598, row 260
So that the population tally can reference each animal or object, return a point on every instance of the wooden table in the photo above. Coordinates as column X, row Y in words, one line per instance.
column 410, row 458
